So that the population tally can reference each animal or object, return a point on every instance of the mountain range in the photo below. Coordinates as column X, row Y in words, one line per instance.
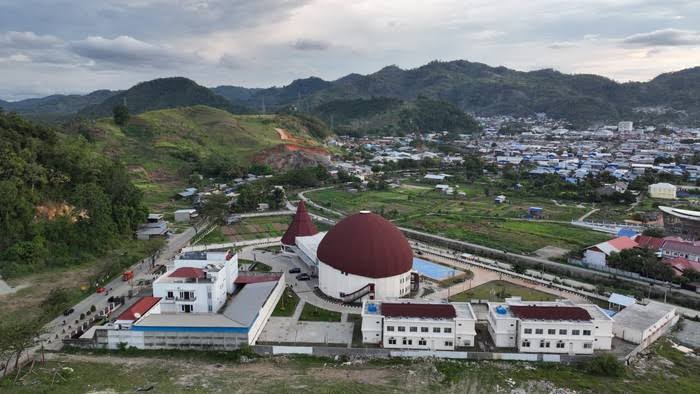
column 372, row 101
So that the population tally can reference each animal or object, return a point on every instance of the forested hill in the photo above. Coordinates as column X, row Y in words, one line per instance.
column 60, row 201
column 162, row 93
column 481, row 89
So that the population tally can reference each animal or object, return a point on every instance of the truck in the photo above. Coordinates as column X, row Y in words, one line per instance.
column 127, row 276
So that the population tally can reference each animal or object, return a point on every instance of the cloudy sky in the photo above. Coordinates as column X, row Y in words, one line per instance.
column 76, row 46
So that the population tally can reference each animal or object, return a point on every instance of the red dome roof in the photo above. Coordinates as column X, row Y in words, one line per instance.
column 368, row 245
column 301, row 226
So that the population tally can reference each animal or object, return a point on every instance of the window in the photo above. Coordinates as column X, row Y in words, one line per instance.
column 587, row 345
column 526, row 343
column 586, row 332
column 407, row 341
column 560, row 345
column 575, row 332
column 422, row 342
column 210, row 308
column 528, row 331
column 402, row 328
column 448, row 343
column 436, row 329
column 562, row 332
column 551, row 331
column 186, row 308
column 392, row 341
column 424, row 329
column 539, row 331
column 390, row 328
column 170, row 295
column 447, row 330
column 413, row 329
column 544, row 344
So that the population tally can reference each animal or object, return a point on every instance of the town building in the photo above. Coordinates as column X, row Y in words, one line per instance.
column 416, row 324
column 549, row 326
column 155, row 226
column 365, row 255
column 598, row 254
column 625, row 126
column 301, row 226
column 681, row 222
column 185, row 215
column 662, row 190
column 201, row 302
column 641, row 323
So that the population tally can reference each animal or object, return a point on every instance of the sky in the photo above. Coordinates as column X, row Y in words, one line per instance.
column 77, row 46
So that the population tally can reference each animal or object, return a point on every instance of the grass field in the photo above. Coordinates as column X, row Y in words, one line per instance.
column 287, row 303
column 474, row 218
column 314, row 313
column 257, row 227
column 663, row 370
column 498, row 290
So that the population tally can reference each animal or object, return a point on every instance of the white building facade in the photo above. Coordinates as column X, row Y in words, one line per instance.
column 662, row 190
column 549, row 327
column 336, row 284
column 420, row 325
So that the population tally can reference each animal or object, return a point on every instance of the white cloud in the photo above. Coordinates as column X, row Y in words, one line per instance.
column 664, row 37
column 125, row 50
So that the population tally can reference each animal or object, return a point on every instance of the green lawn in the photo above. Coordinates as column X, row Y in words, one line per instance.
column 314, row 313
column 498, row 290
column 474, row 218
column 287, row 303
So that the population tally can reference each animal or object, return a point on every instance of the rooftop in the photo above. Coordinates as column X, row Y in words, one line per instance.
column 555, row 312
column 139, row 308
column 642, row 317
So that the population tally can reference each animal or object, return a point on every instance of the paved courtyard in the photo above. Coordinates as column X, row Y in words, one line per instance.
column 289, row 330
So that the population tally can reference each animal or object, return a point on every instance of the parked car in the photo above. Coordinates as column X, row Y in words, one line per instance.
column 100, row 290
column 295, row 270
column 67, row 312
column 303, row 276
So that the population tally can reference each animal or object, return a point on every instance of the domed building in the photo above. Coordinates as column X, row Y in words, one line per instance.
column 365, row 256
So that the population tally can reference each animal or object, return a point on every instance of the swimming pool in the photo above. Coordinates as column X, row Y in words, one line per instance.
column 433, row 270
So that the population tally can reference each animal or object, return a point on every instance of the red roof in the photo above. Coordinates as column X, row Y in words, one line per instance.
column 187, row 272
column 680, row 264
column 646, row 241
column 434, row 311
column 301, row 226
column 622, row 243
column 535, row 312
column 140, row 307
column 368, row 245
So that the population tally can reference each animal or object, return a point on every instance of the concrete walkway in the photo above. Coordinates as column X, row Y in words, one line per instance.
column 283, row 262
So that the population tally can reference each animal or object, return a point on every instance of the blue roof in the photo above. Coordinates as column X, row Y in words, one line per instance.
column 627, row 232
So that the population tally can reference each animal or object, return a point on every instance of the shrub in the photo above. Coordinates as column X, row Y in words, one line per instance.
column 605, row 365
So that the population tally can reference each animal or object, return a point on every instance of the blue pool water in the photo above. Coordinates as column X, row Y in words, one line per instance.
column 433, row 270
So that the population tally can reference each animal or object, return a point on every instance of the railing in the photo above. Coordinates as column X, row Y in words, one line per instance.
column 358, row 293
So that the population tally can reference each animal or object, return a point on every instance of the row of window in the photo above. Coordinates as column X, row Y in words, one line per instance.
column 421, row 342
column 446, row 330
column 559, row 344
column 552, row 331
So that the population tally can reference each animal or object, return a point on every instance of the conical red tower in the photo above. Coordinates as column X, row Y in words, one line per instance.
column 301, row 226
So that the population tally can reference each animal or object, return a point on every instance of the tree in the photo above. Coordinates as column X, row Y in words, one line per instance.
column 605, row 365
column 215, row 208
column 654, row 232
column 121, row 114
column 519, row 267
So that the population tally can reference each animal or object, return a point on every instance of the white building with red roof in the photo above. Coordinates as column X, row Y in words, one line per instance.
column 549, row 326
column 197, row 283
column 598, row 254
column 418, row 324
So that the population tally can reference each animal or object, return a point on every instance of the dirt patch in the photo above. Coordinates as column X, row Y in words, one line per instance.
column 551, row 252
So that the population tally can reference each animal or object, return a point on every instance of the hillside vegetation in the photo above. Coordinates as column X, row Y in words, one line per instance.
column 162, row 93
column 61, row 202
column 163, row 148
column 485, row 90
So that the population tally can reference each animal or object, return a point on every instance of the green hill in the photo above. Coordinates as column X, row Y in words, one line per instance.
column 163, row 148
column 61, row 202
column 481, row 89
column 160, row 94
column 390, row 115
